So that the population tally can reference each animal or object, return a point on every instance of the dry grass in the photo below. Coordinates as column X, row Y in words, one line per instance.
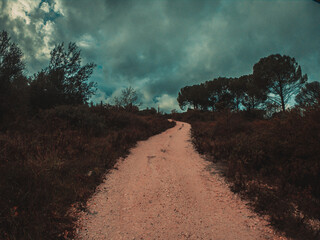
column 274, row 163
column 56, row 159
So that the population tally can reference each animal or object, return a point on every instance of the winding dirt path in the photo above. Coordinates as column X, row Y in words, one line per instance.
column 163, row 190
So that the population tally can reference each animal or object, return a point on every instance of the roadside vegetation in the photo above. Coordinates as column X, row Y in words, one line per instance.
column 55, row 147
column 268, row 148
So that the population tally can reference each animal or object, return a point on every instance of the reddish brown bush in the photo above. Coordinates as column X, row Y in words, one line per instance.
column 274, row 162
column 57, row 159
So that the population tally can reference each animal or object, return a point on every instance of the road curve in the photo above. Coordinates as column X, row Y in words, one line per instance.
column 163, row 190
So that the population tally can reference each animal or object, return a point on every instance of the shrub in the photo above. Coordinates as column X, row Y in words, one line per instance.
column 57, row 160
column 274, row 163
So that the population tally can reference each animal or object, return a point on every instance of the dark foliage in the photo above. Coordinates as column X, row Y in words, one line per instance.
column 274, row 163
column 254, row 95
column 54, row 149
column 192, row 115
column 309, row 95
column 128, row 99
column 195, row 96
column 64, row 81
column 219, row 92
column 13, row 85
column 275, row 80
column 56, row 160
column 281, row 75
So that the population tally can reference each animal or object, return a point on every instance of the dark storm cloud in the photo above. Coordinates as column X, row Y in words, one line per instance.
column 160, row 46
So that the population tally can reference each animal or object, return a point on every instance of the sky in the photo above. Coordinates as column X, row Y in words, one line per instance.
column 160, row 46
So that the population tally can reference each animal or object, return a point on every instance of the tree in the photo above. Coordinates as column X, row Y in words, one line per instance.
column 64, row 81
column 195, row 95
column 220, row 97
column 13, row 85
column 201, row 95
column 281, row 75
column 254, row 95
column 128, row 99
column 184, row 97
column 237, row 88
column 11, row 64
column 309, row 95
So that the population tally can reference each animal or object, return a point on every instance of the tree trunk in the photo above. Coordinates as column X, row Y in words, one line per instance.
column 281, row 94
column 282, row 99
column 282, row 104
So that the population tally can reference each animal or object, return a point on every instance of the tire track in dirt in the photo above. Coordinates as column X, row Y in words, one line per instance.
column 163, row 190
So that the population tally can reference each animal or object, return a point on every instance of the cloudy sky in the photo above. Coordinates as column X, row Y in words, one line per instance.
column 159, row 46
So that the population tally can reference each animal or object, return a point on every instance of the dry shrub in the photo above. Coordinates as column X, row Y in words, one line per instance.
column 193, row 115
column 274, row 163
column 57, row 159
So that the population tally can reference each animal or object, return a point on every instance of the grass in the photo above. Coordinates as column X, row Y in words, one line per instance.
column 56, row 159
column 274, row 163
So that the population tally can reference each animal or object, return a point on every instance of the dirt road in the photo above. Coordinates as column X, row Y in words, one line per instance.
column 163, row 190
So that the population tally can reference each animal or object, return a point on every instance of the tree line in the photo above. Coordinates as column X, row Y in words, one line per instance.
column 62, row 82
column 275, row 80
